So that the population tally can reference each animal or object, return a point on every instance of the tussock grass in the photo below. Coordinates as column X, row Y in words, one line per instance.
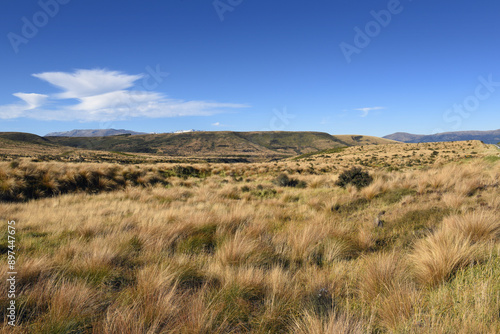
column 379, row 276
column 397, row 306
column 312, row 324
column 437, row 257
column 31, row 181
column 478, row 226
column 221, row 248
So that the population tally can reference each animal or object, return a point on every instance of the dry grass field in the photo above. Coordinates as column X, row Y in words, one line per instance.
column 242, row 248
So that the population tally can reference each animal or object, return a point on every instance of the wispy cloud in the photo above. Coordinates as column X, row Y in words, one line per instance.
column 103, row 95
column 366, row 111
column 32, row 100
column 83, row 83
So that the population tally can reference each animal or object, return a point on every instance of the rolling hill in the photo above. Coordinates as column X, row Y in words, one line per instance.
column 20, row 144
column 357, row 140
column 488, row 137
column 22, row 137
column 224, row 146
column 277, row 144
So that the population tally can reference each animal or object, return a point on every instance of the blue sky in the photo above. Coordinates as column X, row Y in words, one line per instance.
column 342, row 67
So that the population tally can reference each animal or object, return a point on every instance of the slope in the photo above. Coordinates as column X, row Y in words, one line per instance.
column 216, row 144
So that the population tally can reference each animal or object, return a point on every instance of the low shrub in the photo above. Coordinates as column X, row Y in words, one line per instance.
column 355, row 176
column 186, row 171
column 284, row 181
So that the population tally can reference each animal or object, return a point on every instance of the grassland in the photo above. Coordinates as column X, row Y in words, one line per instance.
column 225, row 248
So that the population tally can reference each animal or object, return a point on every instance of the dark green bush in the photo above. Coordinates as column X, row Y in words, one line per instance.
column 284, row 181
column 14, row 164
column 187, row 171
column 355, row 176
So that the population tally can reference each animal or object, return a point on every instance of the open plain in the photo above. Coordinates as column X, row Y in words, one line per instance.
column 264, row 247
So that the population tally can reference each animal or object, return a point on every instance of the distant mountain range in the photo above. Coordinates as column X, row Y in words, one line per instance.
column 488, row 137
column 106, row 133
column 94, row 133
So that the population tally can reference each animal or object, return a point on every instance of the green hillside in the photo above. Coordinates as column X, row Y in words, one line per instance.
column 293, row 142
column 207, row 144
column 23, row 137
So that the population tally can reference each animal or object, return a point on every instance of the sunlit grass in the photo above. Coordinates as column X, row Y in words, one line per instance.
column 155, row 249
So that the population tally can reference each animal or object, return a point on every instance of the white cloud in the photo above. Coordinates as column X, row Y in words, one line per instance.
column 116, row 99
column 16, row 110
column 367, row 110
column 32, row 100
column 219, row 124
column 103, row 96
column 83, row 83
column 11, row 111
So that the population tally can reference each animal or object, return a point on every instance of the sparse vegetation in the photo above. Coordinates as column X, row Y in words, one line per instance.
column 21, row 182
column 242, row 248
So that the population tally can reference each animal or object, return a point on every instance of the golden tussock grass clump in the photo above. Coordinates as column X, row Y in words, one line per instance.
column 312, row 324
column 150, row 305
column 238, row 250
column 337, row 249
column 320, row 181
column 379, row 274
column 66, row 305
column 379, row 186
column 70, row 301
column 437, row 257
column 397, row 306
column 453, row 200
column 477, row 226
column 147, row 314
column 439, row 180
column 468, row 187
column 302, row 243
